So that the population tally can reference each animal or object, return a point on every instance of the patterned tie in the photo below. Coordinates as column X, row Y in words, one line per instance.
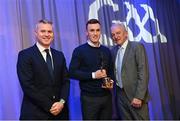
column 49, row 62
column 119, row 59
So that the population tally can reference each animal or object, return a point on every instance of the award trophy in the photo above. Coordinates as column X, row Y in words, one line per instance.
column 107, row 81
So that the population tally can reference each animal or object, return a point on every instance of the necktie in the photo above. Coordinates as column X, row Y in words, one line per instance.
column 119, row 59
column 49, row 62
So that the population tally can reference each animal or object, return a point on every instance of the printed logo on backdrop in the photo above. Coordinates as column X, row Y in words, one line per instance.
column 146, row 26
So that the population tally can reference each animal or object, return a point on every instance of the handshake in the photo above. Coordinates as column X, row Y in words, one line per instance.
column 107, row 81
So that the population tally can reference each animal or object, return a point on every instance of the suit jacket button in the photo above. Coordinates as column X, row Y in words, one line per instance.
column 54, row 97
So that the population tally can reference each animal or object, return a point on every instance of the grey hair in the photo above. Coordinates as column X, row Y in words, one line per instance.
column 119, row 25
column 44, row 21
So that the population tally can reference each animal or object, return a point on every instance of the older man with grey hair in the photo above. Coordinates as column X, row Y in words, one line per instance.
column 132, row 76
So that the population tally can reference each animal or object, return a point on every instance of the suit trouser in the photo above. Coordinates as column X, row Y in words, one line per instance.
column 124, row 109
column 96, row 108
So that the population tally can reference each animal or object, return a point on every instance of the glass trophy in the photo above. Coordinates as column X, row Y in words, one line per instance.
column 107, row 81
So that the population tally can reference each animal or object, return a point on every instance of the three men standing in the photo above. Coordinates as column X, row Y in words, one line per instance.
column 44, row 78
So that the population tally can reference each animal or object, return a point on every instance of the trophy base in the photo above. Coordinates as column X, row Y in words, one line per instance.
column 107, row 83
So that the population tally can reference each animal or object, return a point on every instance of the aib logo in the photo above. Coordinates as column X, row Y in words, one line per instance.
column 144, row 33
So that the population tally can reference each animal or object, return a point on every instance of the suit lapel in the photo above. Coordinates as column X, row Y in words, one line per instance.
column 55, row 61
column 39, row 56
column 126, row 54
column 41, row 60
column 115, row 50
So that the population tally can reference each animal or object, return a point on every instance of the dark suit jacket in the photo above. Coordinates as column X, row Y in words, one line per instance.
column 40, row 89
column 134, row 73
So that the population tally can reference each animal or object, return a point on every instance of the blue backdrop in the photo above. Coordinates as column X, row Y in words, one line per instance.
column 155, row 23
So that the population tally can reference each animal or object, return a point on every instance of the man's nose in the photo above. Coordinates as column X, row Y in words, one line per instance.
column 116, row 36
column 47, row 33
column 95, row 32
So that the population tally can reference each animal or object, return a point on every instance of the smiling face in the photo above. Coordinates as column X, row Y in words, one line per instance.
column 119, row 34
column 44, row 34
column 94, row 32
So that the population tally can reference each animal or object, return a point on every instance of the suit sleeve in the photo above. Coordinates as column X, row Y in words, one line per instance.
column 75, row 71
column 142, row 71
column 65, row 83
column 26, row 78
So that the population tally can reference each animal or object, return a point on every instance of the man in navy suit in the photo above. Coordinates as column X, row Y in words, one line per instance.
column 43, row 77
column 132, row 76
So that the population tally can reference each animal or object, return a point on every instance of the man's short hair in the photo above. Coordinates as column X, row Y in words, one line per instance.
column 44, row 21
column 92, row 21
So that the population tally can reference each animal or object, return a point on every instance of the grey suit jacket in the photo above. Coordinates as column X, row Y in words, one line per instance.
column 134, row 73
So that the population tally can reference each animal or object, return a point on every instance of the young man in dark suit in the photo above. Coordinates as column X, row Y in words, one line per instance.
column 43, row 77
column 132, row 76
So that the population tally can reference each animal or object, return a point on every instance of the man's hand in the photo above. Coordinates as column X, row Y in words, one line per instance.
column 100, row 74
column 56, row 108
column 137, row 103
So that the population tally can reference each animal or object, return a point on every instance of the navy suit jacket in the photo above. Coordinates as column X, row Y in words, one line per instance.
column 39, row 88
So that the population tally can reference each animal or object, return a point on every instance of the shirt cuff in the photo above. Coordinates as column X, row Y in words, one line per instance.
column 62, row 101
column 93, row 75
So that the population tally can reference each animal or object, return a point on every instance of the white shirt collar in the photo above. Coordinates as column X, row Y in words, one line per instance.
column 124, row 45
column 91, row 44
column 41, row 48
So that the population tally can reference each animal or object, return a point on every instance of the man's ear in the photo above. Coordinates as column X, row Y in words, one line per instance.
column 86, row 33
column 35, row 32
